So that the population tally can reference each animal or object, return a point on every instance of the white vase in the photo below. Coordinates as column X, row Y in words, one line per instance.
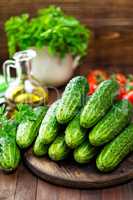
column 53, row 70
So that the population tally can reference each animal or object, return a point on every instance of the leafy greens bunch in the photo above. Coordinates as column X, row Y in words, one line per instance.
column 62, row 34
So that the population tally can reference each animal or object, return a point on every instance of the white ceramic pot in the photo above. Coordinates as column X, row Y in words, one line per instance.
column 53, row 70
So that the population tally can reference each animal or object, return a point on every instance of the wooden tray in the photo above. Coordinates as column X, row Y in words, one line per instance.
column 69, row 174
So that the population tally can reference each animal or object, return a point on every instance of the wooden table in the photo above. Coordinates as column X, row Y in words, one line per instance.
column 112, row 23
column 22, row 185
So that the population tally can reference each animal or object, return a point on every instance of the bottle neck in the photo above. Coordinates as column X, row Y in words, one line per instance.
column 24, row 63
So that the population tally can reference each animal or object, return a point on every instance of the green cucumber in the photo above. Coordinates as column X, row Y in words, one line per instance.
column 49, row 127
column 84, row 153
column 115, row 151
column 39, row 148
column 9, row 154
column 28, row 130
column 98, row 104
column 111, row 124
column 48, row 131
column 72, row 99
column 58, row 150
column 74, row 133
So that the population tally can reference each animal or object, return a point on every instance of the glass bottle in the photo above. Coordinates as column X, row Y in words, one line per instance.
column 24, row 88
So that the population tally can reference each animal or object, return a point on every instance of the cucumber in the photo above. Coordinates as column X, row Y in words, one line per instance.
column 58, row 150
column 112, row 123
column 48, row 131
column 39, row 148
column 9, row 154
column 74, row 133
column 114, row 152
column 72, row 99
column 99, row 103
column 28, row 130
column 84, row 153
column 49, row 127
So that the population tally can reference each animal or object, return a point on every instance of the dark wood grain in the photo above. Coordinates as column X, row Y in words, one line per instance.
column 91, row 194
column 69, row 174
column 26, row 187
column 68, row 193
column 8, row 184
column 45, row 191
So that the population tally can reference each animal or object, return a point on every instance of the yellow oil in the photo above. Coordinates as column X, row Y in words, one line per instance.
column 27, row 93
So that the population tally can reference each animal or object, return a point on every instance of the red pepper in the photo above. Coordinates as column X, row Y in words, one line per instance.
column 120, row 78
column 94, row 78
column 129, row 96
column 92, row 88
column 122, row 92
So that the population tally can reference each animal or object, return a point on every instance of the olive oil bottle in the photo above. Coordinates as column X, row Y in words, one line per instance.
column 25, row 88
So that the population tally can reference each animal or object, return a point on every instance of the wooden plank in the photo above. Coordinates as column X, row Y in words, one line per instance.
column 69, row 194
column 7, row 185
column 78, row 9
column 26, row 185
column 91, row 194
column 127, row 191
column 112, row 193
column 46, row 191
column 123, row 192
column 114, row 47
column 110, row 3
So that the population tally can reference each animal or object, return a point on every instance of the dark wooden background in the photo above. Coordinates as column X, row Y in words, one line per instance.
column 111, row 21
column 112, row 44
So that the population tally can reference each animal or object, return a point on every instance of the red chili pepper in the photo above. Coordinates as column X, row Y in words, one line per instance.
column 129, row 96
column 120, row 77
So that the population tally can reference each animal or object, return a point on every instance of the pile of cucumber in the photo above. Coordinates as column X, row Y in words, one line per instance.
column 97, row 127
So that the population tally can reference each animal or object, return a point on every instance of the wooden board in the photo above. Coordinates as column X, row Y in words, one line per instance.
column 69, row 174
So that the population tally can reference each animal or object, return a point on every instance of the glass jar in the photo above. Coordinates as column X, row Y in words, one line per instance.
column 24, row 88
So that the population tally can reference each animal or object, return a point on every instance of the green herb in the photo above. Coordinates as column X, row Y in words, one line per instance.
column 7, row 126
column 25, row 112
column 50, row 28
